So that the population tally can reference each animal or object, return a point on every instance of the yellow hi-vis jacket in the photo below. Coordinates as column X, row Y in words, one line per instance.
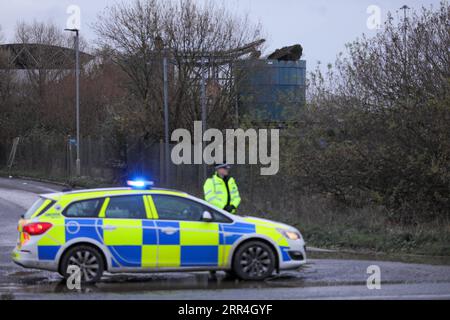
column 216, row 192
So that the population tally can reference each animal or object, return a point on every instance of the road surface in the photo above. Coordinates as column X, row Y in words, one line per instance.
column 319, row 279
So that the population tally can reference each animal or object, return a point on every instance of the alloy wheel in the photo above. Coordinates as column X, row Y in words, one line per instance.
column 255, row 261
column 87, row 262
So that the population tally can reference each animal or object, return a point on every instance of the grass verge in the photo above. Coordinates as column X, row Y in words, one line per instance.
column 326, row 224
column 73, row 182
column 426, row 240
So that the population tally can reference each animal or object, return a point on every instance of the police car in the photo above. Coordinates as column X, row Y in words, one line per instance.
column 144, row 229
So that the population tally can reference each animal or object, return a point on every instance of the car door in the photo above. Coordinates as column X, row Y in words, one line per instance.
column 184, row 239
column 123, row 218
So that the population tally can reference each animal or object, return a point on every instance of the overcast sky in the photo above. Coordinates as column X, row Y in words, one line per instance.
column 321, row 27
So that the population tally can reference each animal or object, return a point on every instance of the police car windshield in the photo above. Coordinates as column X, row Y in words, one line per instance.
column 34, row 207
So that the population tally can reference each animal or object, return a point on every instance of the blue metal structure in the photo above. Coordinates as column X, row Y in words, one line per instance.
column 266, row 87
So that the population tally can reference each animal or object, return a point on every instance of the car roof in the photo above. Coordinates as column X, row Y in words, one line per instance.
column 105, row 192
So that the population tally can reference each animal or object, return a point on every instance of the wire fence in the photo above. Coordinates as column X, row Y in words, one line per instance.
column 54, row 157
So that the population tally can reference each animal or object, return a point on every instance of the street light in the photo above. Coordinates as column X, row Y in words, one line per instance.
column 203, row 107
column 159, row 44
column 77, row 96
column 405, row 8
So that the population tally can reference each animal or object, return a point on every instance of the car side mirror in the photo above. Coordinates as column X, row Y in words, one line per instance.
column 206, row 216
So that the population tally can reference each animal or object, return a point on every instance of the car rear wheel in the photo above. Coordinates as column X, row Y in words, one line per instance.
column 88, row 259
column 254, row 260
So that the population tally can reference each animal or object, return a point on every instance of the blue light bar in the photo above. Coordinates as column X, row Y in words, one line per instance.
column 140, row 184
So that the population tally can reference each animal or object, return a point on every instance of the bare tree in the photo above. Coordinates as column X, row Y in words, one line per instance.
column 7, row 88
column 44, row 45
column 376, row 126
column 45, row 35
column 142, row 32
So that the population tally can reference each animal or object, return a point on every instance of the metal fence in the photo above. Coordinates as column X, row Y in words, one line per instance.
column 54, row 157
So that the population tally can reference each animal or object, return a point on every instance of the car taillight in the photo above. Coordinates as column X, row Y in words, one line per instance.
column 36, row 228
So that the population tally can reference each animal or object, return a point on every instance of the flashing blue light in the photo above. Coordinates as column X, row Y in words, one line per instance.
column 139, row 184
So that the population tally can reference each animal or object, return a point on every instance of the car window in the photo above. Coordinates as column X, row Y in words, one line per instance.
column 218, row 217
column 84, row 209
column 126, row 207
column 178, row 208
column 39, row 202
column 46, row 205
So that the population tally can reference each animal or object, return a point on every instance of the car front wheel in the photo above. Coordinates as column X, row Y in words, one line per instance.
column 254, row 260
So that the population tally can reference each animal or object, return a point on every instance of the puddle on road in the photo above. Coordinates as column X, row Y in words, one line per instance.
column 17, row 280
column 43, row 282
column 162, row 283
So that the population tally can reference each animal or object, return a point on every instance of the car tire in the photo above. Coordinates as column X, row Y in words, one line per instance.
column 254, row 260
column 88, row 259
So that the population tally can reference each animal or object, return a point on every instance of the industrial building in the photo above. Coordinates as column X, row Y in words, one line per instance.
column 271, row 90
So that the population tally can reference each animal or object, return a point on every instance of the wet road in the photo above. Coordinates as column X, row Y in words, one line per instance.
column 319, row 279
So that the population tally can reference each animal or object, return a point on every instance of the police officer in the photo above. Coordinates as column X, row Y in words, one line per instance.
column 221, row 190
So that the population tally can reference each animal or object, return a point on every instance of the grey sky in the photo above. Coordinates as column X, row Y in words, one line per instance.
column 322, row 27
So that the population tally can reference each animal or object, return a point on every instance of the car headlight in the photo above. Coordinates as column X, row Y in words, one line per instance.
column 291, row 235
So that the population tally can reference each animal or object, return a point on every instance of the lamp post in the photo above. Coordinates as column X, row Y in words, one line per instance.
column 203, row 107
column 166, row 117
column 77, row 97
column 159, row 44
column 405, row 54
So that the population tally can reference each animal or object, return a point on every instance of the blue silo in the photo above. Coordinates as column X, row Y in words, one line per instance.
column 266, row 87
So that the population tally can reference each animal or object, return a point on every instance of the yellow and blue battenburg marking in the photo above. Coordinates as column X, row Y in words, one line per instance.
column 232, row 232
column 48, row 252
column 52, row 240
column 153, row 243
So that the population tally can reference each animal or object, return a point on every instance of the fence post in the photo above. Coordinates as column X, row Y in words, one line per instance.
column 12, row 155
column 102, row 159
column 161, row 162
column 178, row 175
column 88, row 155
column 69, row 156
